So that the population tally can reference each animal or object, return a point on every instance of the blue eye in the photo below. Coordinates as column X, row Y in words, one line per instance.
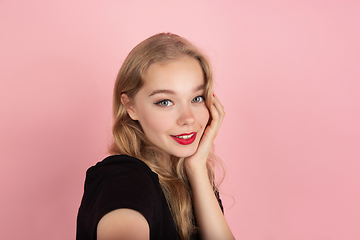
column 198, row 99
column 164, row 103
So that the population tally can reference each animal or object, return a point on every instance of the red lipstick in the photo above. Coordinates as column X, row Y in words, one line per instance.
column 185, row 139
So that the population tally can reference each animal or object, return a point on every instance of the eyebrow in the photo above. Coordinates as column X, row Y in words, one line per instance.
column 167, row 91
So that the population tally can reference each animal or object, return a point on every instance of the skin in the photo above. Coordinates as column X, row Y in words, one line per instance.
column 185, row 112
column 123, row 224
column 171, row 103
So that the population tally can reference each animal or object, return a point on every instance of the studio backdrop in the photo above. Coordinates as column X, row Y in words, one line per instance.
column 287, row 73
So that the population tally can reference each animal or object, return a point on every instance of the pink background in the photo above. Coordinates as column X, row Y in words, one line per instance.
column 287, row 73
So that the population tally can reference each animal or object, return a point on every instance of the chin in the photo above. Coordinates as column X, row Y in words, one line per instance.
column 184, row 154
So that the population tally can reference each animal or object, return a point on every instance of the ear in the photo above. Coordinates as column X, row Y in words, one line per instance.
column 129, row 106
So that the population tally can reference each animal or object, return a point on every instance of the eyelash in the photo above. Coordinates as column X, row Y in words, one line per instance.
column 202, row 99
column 159, row 103
column 162, row 101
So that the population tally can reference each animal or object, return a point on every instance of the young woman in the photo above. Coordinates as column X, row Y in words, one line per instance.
column 159, row 181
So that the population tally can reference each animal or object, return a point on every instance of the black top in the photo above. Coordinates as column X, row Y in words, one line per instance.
column 122, row 181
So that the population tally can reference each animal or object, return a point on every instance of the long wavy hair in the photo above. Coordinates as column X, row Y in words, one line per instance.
column 129, row 138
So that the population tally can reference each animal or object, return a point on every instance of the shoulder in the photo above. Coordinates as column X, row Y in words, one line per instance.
column 120, row 182
column 121, row 172
column 121, row 177
column 117, row 164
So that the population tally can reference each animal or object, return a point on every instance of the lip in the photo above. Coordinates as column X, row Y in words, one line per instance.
column 184, row 141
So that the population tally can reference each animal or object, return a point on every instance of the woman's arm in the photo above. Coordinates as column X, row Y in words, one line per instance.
column 209, row 217
column 123, row 224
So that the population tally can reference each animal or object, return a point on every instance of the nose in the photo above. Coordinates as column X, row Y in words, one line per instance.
column 186, row 116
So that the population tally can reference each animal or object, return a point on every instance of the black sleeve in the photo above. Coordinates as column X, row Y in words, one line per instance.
column 111, row 188
column 216, row 191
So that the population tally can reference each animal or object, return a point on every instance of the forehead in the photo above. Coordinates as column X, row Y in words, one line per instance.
column 179, row 73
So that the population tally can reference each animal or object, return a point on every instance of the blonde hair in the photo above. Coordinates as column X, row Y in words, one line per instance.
column 129, row 137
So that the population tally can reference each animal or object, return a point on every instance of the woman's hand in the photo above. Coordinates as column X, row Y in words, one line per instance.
column 197, row 162
column 209, row 217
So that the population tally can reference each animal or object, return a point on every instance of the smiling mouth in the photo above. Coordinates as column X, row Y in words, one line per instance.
column 185, row 139
column 185, row 136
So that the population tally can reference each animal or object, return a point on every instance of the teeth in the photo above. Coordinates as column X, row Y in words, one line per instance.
column 185, row 136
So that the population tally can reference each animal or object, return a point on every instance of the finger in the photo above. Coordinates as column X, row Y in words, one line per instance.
column 216, row 121
column 217, row 104
column 219, row 107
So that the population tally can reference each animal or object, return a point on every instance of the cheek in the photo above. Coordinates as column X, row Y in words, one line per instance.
column 154, row 122
column 203, row 116
column 158, row 125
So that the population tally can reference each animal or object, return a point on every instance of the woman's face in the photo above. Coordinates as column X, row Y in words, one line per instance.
column 170, row 106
